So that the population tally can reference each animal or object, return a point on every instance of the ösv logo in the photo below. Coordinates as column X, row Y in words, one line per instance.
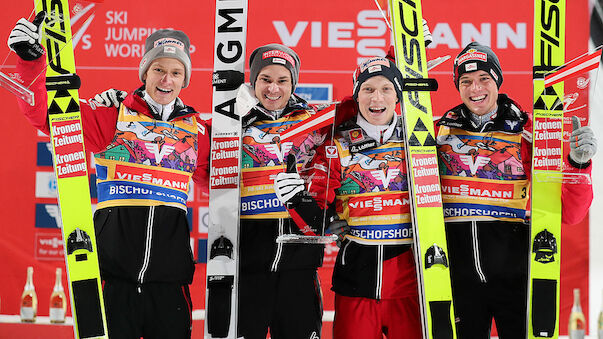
column 385, row 178
column 474, row 165
column 285, row 147
column 159, row 154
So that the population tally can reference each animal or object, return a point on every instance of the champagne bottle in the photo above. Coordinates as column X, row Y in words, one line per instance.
column 577, row 323
column 29, row 299
column 58, row 301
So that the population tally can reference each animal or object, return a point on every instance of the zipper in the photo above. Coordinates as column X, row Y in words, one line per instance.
column 379, row 284
column 485, row 124
column 476, row 253
column 345, row 247
column 147, row 250
column 279, row 247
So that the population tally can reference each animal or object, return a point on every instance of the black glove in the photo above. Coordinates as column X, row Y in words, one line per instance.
column 25, row 39
column 110, row 97
column 340, row 228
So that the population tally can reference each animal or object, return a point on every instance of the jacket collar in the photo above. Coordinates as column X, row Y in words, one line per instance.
column 509, row 118
column 136, row 102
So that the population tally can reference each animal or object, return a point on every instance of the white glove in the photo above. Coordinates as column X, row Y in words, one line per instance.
column 287, row 185
column 246, row 100
column 24, row 39
column 110, row 97
column 340, row 228
column 583, row 144
column 426, row 33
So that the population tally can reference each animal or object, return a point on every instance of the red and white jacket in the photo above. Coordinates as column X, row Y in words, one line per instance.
column 509, row 126
column 139, row 240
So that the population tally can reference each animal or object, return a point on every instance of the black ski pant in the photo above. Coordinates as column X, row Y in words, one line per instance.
column 489, row 271
column 287, row 303
column 150, row 310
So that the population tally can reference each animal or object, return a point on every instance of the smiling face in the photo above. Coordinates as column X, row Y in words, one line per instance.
column 164, row 80
column 478, row 91
column 377, row 100
column 273, row 87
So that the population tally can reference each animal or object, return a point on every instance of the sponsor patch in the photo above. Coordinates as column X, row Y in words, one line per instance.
column 472, row 54
column 169, row 41
column 279, row 61
column 355, row 135
column 169, row 49
column 362, row 146
column 470, row 67
column 374, row 68
column 372, row 63
column 512, row 124
column 468, row 188
column 361, row 206
column 426, row 183
column 275, row 53
column 331, row 152
column 152, row 176
column 67, row 139
column 258, row 204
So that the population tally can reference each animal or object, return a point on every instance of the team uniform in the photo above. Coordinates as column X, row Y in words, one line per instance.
column 144, row 163
column 485, row 178
column 278, row 285
column 374, row 277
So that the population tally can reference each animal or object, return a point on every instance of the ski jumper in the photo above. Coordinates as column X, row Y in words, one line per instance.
column 278, row 287
column 374, row 278
column 143, row 167
column 485, row 179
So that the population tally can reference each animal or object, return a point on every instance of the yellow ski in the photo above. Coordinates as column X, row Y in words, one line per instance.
column 547, row 162
column 71, row 169
column 424, row 180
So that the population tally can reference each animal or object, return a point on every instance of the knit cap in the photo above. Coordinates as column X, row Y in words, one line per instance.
column 378, row 66
column 476, row 57
column 273, row 54
column 166, row 43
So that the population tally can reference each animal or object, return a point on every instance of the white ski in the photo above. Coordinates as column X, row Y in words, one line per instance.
column 224, row 193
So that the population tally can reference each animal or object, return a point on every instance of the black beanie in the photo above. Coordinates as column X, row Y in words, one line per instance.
column 273, row 54
column 477, row 57
column 378, row 66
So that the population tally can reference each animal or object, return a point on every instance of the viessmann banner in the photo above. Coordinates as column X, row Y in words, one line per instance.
column 331, row 37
